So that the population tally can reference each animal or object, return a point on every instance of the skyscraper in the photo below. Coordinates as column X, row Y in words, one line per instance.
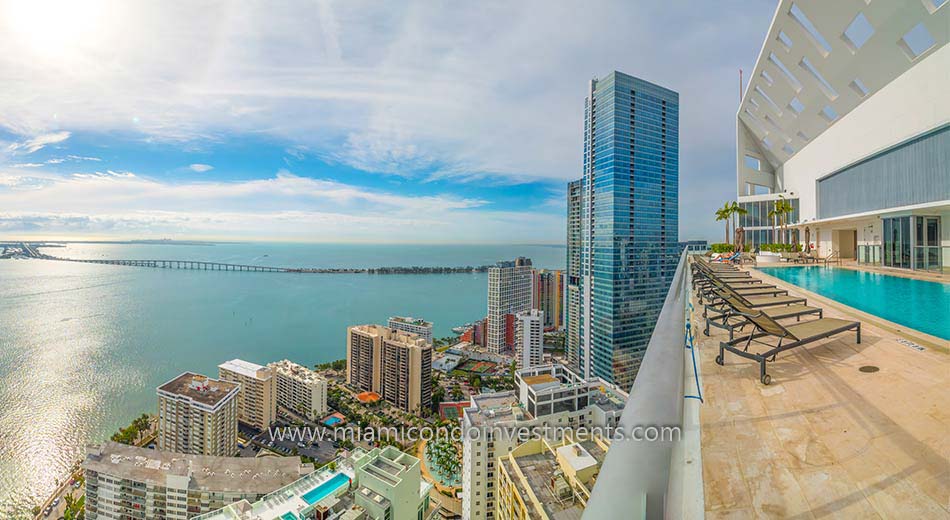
column 547, row 288
column 509, row 292
column 628, row 229
column 572, row 297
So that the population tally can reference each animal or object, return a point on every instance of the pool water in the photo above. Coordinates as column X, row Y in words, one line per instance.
column 326, row 489
column 918, row 304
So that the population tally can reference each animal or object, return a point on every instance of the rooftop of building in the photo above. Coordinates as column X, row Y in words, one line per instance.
column 494, row 408
column 246, row 368
column 286, row 366
column 255, row 475
column 844, row 429
column 411, row 321
column 387, row 334
column 542, row 472
column 199, row 388
column 290, row 498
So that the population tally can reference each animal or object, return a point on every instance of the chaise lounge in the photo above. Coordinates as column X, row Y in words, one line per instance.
column 789, row 337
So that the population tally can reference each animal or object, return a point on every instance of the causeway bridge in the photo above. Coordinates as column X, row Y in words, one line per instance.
column 32, row 251
column 181, row 264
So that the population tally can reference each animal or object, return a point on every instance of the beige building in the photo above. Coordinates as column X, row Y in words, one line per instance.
column 548, row 480
column 130, row 482
column 198, row 415
column 300, row 389
column 396, row 365
column 257, row 403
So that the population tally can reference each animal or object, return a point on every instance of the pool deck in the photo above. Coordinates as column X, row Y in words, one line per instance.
column 825, row 440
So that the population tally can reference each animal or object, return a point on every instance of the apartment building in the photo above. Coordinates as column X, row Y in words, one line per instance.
column 129, row 482
column 529, row 338
column 547, row 287
column 198, row 415
column 381, row 484
column 543, row 479
column 417, row 326
column 548, row 396
column 846, row 118
column 300, row 389
column 396, row 365
column 509, row 292
column 257, row 398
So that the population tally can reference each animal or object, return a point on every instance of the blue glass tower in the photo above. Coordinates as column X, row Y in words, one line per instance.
column 629, row 218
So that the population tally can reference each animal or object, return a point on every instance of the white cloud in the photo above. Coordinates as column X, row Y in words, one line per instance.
column 471, row 91
column 83, row 158
column 37, row 142
column 201, row 168
column 27, row 165
column 284, row 206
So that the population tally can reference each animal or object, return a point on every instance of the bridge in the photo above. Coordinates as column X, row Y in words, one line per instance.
column 32, row 251
column 180, row 264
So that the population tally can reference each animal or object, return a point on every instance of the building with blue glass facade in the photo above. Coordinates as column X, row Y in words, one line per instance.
column 627, row 207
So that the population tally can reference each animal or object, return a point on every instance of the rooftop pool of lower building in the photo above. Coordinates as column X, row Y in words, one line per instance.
column 918, row 304
column 326, row 488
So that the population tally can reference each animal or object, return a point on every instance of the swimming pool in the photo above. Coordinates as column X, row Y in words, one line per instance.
column 918, row 304
column 326, row 489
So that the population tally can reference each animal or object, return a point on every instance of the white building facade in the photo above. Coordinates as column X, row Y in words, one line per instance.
column 509, row 292
column 529, row 338
column 300, row 389
column 417, row 326
column 847, row 116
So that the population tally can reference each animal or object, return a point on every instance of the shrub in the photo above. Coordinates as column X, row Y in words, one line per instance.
column 780, row 248
column 722, row 248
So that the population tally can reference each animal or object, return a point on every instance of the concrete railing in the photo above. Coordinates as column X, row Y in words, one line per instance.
column 662, row 478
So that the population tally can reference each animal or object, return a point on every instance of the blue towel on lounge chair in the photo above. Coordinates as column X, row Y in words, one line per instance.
column 732, row 258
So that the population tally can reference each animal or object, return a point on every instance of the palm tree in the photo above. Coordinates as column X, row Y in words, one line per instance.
column 773, row 215
column 783, row 208
column 737, row 210
column 724, row 214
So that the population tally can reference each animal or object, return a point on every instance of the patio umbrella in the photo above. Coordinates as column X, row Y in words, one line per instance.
column 740, row 238
column 807, row 238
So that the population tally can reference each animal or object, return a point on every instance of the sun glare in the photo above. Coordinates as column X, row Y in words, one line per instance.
column 53, row 26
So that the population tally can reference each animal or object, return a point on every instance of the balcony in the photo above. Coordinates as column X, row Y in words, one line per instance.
column 844, row 429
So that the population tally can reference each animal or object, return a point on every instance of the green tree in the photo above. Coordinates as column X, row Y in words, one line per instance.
column 735, row 211
column 724, row 214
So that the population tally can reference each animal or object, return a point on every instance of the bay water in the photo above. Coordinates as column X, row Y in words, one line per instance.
column 84, row 346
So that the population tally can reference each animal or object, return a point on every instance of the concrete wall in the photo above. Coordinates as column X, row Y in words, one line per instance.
column 912, row 104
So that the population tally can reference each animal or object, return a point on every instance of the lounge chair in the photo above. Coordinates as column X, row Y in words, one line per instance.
column 752, row 302
column 789, row 257
column 730, row 313
column 747, row 258
column 790, row 337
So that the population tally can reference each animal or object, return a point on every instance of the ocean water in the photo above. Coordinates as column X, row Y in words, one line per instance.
column 83, row 346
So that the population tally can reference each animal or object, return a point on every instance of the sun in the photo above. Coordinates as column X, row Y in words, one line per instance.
column 52, row 27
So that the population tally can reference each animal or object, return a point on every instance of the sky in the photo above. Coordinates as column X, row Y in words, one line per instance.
column 420, row 122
